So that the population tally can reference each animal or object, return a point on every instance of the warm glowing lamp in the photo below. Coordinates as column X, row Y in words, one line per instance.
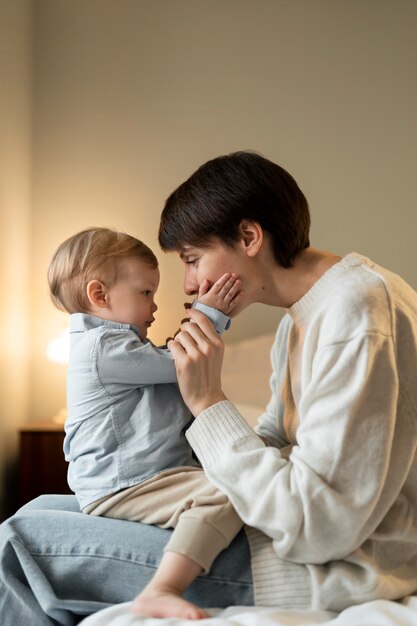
column 57, row 351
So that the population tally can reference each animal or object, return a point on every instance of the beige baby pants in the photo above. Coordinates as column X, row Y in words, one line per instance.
column 181, row 498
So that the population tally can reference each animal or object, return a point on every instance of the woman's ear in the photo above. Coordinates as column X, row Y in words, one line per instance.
column 252, row 236
column 97, row 294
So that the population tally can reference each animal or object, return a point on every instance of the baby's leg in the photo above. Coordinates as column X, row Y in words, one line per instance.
column 204, row 523
column 162, row 597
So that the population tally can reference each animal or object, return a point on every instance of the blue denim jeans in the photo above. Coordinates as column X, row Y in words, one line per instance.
column 58, row 565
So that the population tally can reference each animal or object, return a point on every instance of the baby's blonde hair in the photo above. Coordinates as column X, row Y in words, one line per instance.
column 93, row 253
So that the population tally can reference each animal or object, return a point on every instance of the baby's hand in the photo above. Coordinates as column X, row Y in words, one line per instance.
column 223, row 295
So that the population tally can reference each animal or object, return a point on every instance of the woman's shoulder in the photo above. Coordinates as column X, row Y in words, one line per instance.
column 361, row 302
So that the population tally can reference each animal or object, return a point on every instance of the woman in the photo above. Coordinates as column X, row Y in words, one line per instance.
column 328, row 483
column 334, row 489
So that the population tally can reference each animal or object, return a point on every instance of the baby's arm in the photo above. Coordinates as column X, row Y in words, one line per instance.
column 223, row 295
column 217, row 301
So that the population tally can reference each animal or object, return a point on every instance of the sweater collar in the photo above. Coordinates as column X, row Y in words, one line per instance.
column 303, row 308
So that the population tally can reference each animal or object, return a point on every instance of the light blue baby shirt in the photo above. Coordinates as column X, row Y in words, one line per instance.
column 126, row 417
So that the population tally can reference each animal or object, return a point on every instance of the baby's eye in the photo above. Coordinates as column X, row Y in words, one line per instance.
column 147, row 293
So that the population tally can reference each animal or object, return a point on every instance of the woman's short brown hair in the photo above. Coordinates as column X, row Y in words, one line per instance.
column 226, row 190
column 93, row 253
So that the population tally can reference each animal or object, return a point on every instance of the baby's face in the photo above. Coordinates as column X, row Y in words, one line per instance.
column 131, row 297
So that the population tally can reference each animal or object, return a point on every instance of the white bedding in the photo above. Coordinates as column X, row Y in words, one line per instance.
column 377, row 613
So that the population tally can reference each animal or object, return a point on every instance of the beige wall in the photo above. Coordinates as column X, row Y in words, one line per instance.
column 130, row 96
column 15, row 224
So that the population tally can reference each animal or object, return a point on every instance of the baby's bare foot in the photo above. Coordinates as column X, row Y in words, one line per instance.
column 156, row 602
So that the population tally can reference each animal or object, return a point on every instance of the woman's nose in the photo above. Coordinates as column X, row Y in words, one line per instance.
column 190, row 284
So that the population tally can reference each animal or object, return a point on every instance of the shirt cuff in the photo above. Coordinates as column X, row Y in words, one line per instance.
column 220, row 321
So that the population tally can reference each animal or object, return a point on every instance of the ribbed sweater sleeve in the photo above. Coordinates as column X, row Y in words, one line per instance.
column 217, row 428
column 216, row 432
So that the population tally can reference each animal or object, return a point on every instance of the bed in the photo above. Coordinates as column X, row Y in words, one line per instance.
column 246, row 373
column 377, row 613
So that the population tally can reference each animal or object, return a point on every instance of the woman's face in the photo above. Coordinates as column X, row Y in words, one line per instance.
column 211, row 263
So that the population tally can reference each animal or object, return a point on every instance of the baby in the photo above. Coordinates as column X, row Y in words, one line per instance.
column 125, row 443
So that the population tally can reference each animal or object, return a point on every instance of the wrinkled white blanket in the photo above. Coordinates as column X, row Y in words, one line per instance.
column 377, row 613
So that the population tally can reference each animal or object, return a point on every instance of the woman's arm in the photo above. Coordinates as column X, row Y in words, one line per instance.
column 270, row 426
column 344, row 471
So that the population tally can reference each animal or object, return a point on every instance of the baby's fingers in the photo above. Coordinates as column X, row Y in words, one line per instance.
column 203, row 288
column 219, row 284
column 224, row 283
column 230, row 288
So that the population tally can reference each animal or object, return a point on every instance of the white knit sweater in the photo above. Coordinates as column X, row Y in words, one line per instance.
column 332, row 502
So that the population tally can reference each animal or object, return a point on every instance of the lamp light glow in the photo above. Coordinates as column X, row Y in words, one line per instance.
column 57, row 349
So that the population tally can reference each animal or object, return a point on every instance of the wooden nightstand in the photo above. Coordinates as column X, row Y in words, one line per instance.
column 42, row 468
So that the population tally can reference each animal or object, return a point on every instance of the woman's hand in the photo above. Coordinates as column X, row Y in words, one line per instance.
column 198, row 354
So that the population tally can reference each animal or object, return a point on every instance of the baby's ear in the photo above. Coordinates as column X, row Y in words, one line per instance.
column 97, row 293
